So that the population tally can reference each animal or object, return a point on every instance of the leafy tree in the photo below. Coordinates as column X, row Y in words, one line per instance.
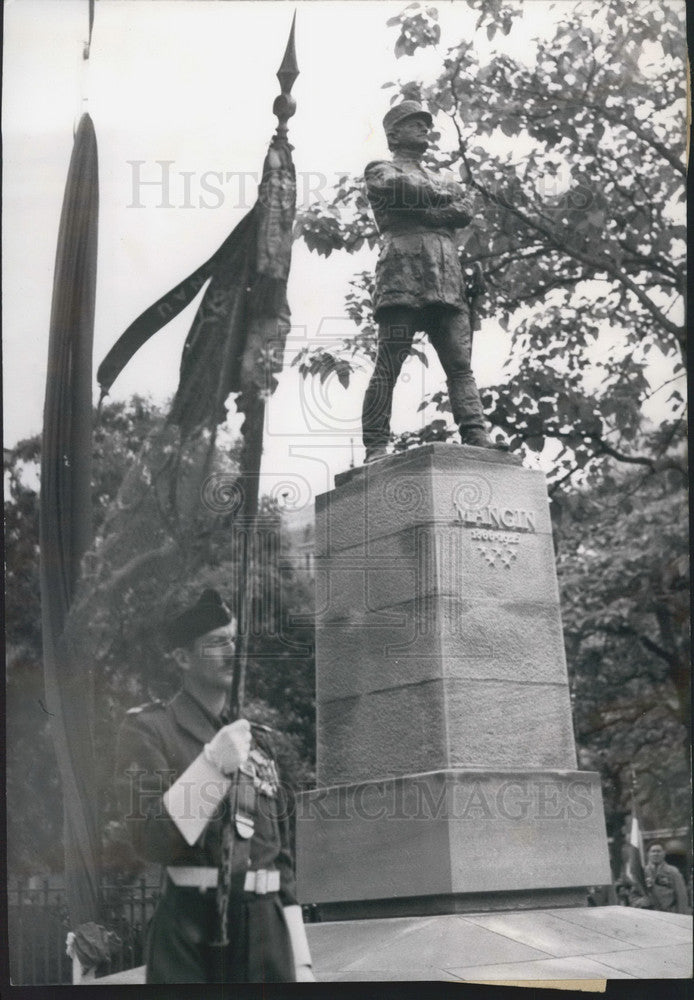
column 623, row 573
column 578, row 223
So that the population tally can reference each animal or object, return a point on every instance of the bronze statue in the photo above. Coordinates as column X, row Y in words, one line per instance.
column 419, row 279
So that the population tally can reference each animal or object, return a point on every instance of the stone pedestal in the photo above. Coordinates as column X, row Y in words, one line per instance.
column 440, row 664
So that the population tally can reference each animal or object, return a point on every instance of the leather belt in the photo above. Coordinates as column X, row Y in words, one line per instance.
column 193, row 876
column 262, row 881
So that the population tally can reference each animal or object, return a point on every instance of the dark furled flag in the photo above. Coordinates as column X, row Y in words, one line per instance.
column 65, row 518
column 237, row 338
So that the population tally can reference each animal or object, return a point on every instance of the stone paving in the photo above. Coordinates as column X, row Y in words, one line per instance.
column 592, row 943
column 610, row 942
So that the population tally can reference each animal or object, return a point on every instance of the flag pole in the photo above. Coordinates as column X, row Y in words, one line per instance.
column 267, row 309
column 283, row 108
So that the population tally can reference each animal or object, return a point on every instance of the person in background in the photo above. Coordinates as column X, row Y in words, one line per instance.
column 663, row 887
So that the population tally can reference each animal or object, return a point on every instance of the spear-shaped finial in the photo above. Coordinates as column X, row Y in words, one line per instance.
column 285, row 105
column 88, row 44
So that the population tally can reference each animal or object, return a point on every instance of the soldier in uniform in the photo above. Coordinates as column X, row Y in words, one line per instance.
column 419, row 280
column 664, row 887
column 201, row 796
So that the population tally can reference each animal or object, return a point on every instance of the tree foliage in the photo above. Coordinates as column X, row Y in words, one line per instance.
column 623, row 565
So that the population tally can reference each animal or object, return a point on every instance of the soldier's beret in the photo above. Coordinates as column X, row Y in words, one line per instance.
column 406, row 109
column 209, row 612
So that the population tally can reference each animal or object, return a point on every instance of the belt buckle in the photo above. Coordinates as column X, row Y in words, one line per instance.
column 261, row 882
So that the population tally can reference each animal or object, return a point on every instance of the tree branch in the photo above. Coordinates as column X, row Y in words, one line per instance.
column 602, row 263
column 553, row 487
column 621, row 118
column 651, row 141
column 655, row 465
column 672, row 659
column 548, row 287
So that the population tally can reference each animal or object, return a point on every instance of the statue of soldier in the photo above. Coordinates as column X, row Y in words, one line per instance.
column 419, row 279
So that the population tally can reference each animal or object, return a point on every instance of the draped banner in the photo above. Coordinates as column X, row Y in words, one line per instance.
column 237, row 338
column 222, row 267
column 65, row 518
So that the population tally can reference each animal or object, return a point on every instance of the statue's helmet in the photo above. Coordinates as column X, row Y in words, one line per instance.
column 407, row 109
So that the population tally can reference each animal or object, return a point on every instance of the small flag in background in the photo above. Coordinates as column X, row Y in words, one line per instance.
column 636, row 858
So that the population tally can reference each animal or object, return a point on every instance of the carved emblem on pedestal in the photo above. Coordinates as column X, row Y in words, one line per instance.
column 496, row 528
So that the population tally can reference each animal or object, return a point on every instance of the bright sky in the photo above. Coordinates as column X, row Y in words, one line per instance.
column 192, row 82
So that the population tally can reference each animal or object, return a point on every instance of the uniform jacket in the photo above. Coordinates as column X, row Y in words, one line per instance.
column 156, row 744
column 667, row 891
column 417, row 213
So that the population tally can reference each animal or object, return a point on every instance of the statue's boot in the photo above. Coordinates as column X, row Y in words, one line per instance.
column 476, row 436
column 374, row 452
column 467, row 410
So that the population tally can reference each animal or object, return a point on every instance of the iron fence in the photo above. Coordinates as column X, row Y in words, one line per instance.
column 38, row 927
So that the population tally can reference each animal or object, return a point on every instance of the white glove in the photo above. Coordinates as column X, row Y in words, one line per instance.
column 230, row 747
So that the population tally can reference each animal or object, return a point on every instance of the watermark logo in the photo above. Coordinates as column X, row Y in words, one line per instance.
column 510, row 800
column 161, row 184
